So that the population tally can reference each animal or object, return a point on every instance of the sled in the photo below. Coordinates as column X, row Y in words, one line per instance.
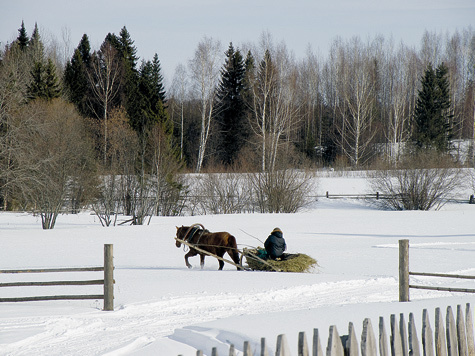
column 290, row 262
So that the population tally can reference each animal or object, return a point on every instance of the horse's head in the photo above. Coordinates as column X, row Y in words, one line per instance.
column 180, row 234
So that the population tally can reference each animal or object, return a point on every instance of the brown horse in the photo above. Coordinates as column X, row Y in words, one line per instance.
column 217, row 243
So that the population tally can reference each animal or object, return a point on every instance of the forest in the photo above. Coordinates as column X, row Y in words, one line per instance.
column 98, row 127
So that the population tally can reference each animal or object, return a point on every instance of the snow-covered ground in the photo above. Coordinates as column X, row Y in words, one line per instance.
column 163, row 308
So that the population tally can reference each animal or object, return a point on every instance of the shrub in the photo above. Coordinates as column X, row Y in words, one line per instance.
column 281, row 191
column 422, row 181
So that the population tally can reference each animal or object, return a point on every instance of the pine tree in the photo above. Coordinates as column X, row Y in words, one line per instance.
column 52, row 87
column 22, row 39
column 37, row 86
column 44, row 83
column 157, row 79
column 150, row 98
column 76, row 77
column 127, row 48
column 231, row 109
column 432, row 116
column 84, row 49
column 36, row 47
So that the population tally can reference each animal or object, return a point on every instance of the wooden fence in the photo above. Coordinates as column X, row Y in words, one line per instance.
column 108, row 282
column 378, row 195
column 453, row 338
column 404, row 274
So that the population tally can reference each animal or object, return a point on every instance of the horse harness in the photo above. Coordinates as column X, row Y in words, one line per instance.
column 191, row 233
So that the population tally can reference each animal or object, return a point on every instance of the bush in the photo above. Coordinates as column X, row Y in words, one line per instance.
column 281, row 191
column 223, row 193
column 422, row 181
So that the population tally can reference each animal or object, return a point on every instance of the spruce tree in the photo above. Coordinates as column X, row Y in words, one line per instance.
column 36, row 47
column 52, row 87
column 76, row 80
column 44, row 83
column 22, row 39
column 84, row 49
column 150, row 98
column 432, row 116
column 231, row 109
column 157, row 79
column 36, row 88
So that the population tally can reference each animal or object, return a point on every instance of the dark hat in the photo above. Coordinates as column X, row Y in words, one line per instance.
column 277, row 230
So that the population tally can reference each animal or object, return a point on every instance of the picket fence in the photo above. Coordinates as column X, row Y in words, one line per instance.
column 454, row 338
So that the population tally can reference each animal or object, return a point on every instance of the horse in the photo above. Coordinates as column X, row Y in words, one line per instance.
column 217, row 243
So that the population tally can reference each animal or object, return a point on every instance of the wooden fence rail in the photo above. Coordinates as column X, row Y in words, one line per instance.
column 404, row 274
column 455, row 338
column 108, row 282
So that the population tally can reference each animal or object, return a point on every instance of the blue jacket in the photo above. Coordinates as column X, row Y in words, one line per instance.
column 275, row 245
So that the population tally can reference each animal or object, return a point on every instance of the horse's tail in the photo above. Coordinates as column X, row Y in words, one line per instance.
column 232, row 244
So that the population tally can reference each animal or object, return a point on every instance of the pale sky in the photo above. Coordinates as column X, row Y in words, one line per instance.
column 173, row 28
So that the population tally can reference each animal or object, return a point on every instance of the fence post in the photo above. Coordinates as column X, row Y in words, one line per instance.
column 317, row 345
column 264, row 351
column 108, row 278
column 461, row 334
column 302, row 345
column 247, row 348
column 334, row 347
column 403, row 331
column 427, row 339
column 452, row 344
column 403, row 270
column 368, row 340
column 469, row 326
column 414, row 349
column 351, row 347
column 383, row 338
column 282, row 348
column 440, row 339
column 395, row 339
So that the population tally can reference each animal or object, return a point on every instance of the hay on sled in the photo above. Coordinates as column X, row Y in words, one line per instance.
column 291, row 263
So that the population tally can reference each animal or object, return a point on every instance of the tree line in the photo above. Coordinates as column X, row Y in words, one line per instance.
column 100, row 126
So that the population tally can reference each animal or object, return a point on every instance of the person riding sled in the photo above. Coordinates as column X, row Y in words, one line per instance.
column 275, row 244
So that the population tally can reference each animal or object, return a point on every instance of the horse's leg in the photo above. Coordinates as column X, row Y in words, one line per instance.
column 189, row 254
column 202, row 260
column 235, row 257
column 220, row 252
column 221, row 265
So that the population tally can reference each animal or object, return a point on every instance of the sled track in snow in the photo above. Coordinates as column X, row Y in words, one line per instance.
column 135, row 325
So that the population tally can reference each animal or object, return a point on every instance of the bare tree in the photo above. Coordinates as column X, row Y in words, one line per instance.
column 396, row 84
column 356, row 130
column 113, row 196
column 310, row 86
column 274, row 102
column 104, row 79
column 57, row 156
column 14, row 80
column 204, row 69
column 179, row 93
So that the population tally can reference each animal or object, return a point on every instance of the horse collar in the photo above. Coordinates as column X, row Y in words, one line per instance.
column 191, row 234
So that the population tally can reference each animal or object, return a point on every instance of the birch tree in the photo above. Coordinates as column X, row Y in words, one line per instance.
column 274, row 104
column 397, row 128
column 104, row 78
column 358, row 95
column 205, row 70
column 179, row 93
